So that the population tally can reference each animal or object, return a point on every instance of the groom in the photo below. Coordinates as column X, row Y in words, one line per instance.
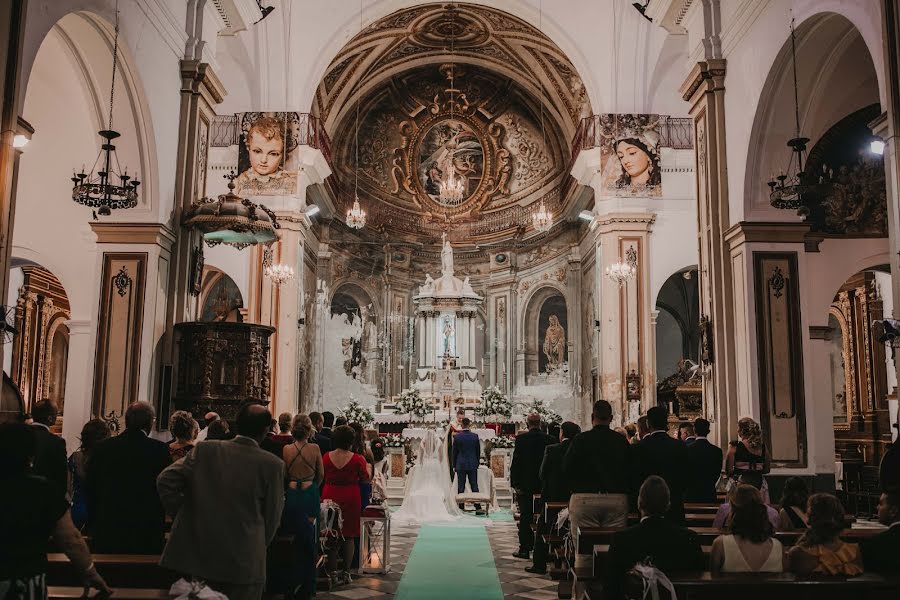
column 466, row 450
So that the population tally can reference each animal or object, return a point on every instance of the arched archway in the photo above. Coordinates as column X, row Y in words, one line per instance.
column 546, row 335
column 678, row 322
column 220, row 298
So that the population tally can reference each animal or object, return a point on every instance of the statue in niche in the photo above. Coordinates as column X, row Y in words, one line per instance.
column 448, row 336
column 446, row 257
column 554, row 344
column 369, row 343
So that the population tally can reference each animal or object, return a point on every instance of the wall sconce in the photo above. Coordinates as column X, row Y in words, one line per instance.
column 24, row 131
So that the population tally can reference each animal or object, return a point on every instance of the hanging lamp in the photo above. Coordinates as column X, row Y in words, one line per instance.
column 542, row 219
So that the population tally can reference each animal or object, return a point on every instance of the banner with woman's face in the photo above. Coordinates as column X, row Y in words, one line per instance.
column 266, row 154
column 629, row 155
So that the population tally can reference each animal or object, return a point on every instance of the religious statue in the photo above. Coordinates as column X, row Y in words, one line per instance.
column 428, row 286
column 448, row 336
column 446, row 257
column 467, row 286
column 555, row 344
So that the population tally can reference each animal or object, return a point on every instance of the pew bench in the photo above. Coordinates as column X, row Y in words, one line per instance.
column 118, row 570
column 61, row 592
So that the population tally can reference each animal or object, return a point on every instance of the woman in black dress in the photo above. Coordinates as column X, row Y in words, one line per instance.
column 748, row 453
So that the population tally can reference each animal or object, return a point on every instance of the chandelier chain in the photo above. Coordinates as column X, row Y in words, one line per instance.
column 115, row 65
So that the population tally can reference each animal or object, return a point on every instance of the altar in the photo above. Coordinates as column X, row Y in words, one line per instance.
column 446, row 313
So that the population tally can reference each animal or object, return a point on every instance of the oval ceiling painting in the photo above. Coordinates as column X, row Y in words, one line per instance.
column 450, row 153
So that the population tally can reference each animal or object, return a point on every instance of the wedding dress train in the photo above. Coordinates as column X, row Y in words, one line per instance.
column 428, row 497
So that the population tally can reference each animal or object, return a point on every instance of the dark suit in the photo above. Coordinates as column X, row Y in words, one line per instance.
column 672, row 548
column 50, row 458
column 881, row 553
column 662, row 455
column 554, row 488
column 126, row 516
column 524, row 478
column 704, row 468
column 889, row 470
column 322, row 441
column 466, row 452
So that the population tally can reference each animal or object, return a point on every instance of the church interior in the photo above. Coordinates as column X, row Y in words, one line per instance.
column 427, row 217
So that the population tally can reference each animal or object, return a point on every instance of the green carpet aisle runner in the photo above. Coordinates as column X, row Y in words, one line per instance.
column 450, row 562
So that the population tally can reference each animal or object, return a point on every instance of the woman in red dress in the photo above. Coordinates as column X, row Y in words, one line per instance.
column 344, row 471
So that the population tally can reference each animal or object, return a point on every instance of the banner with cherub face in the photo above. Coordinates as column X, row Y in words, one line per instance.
column 629, row 155
column 267, row 160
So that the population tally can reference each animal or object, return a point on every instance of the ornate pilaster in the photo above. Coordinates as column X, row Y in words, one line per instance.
column 704, row 89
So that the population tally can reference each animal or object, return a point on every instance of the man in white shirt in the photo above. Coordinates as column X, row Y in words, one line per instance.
column 209, row 418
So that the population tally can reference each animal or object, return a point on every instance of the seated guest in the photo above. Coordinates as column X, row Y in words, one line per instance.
column 50, row 453
column 793, row 505
column 686, row 433
column 595, row 469
column 32, row 509
column 670, row 547
column 93, row 432
column 705, row 465
column 208, row 419
column 658, row 453
column 227, row 500
column 723, row 514
column 820, row 549
column 184, row 429
column 554, row 488
column 303, row 462
column 218, row 430
column 881, row 553
column 750, row 547
column 340, row 422
column 125, row 515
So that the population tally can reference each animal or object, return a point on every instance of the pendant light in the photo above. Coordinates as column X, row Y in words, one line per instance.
column 542, row 219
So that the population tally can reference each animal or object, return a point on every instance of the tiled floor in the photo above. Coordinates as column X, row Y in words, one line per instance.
column 515, row 582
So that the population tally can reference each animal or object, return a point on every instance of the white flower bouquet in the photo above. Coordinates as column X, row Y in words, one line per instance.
column 412, row 403
column 494, row 403
column 357, row 413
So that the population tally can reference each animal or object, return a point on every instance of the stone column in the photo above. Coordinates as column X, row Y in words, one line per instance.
column 705, row 91
column 79, row 380
column 420, row 338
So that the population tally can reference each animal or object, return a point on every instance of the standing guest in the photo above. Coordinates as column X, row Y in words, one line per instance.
column 305, row 471
column 344, row 471
column 595, row 469
column 224, row 542
column 794, row 498
column 749, row 547
column 93, row 432
column 50, row 454
column 889, row 469
column 723, row 515
column 881, row 553
column 686, row 433
column 554, row 488
column 465, row 459
column 621, row 431
column 125, row 515
column 318, row 438
column 184, row 429
column 820, row 550
column 327, row 423
column 631, row 433
column 381, row 471
column 218, row 430
column 360, row 447
column 284, row 435
column 208, row 419
column 704, row 461
column 748, row 453
column 523, row 477
column 643, row 427
column 340, row 421
column 660, row 454
column 672, row 548
column 32, row 509
column 279, row 435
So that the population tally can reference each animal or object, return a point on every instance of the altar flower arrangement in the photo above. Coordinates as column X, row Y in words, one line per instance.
column 394, row 441
column 494, row 403
column 357, row 413
column 412, row 403
column 547, row 414
column 503, row 441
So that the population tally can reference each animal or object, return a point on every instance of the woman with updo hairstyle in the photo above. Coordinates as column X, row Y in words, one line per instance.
column 184, row 429
column 344, row 471
column 640, row 164
column 749, row 547
column 93, row 432
column 794, row 499
column 748, row 453
column 360, row 447
column 820, row 550
column 304, row 472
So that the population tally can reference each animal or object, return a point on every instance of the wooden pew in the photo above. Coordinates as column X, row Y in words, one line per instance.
column 60, row 592
column 119, row 571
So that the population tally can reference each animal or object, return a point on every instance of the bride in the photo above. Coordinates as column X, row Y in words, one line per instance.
column 428, row 497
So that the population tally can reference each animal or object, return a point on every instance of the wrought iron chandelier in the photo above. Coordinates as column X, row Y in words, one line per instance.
column 109, row 187
column 542, row 219
column 790, row 189
column 356, row 216
column 452, row 188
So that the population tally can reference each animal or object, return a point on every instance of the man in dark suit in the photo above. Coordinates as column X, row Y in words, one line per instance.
column 658, row 453
column 671, row 548
column 327, row 423
column 889, row 469
column 466, row 453
column 554, row 488
column 227, row 498
column 881, row 553
column 50, row 456
column 524, row 478
column 704, row 465
column 321, row 440
column 126, row 516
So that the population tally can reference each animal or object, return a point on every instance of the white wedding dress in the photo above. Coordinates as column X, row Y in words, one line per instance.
column 428, row 497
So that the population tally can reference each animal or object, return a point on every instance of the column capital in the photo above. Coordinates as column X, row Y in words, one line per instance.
column 134, row 233
column 199, row 78
column 706, row 76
